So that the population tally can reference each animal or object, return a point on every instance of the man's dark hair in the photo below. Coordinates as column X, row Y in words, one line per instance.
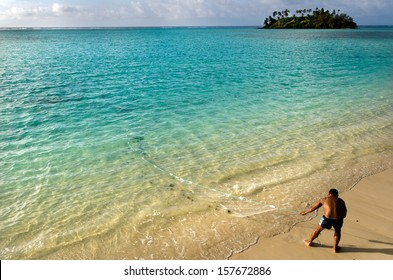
column 333, row 192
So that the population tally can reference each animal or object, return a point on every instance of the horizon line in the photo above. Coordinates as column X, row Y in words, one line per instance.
column 125, row 26
column 154, row 26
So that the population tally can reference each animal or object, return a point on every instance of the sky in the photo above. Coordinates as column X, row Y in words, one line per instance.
column 134, row 13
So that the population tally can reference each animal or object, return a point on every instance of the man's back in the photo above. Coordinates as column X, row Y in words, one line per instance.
column 334, row 207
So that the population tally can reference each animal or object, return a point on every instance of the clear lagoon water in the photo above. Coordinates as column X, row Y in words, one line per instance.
column 182, row 143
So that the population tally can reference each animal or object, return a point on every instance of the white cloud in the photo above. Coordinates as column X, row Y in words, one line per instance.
column 22, row 12
column 137, row 8
column 59, row 9
column 45, row 14
column 177, row 9
column 26, row 11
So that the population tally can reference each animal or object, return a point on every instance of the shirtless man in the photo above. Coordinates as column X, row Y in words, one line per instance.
column 335, row 211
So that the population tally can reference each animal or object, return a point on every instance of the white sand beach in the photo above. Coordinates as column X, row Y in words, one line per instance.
column 367, row 233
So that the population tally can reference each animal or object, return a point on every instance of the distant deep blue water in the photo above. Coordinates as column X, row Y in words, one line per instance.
column 183, row 143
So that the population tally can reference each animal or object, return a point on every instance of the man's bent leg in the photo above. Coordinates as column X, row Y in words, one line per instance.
column 314, row 235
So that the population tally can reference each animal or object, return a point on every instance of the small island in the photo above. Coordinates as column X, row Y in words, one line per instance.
column 310, row 19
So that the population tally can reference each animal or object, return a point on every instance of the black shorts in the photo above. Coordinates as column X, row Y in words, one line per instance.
column 329, row 223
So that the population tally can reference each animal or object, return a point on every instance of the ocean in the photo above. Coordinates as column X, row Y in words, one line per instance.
column 182, row 143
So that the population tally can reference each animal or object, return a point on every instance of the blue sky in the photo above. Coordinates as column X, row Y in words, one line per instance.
column 100, row 13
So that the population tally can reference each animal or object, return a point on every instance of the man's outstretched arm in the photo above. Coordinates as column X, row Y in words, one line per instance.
column 313, row 208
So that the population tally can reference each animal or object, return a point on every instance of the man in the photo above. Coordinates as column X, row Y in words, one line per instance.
column 335, row 211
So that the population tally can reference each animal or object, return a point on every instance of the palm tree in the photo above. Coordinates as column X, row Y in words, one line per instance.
column 271, row 20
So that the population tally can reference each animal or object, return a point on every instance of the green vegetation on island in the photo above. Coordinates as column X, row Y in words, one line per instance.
column 311, row 19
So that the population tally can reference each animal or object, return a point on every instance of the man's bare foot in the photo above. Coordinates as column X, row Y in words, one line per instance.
column 337, row 249
column 307, row 242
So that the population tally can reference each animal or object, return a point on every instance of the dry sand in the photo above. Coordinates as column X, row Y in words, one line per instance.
column 367, row 233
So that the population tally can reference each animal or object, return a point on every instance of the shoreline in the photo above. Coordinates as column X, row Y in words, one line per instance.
column 366, row 233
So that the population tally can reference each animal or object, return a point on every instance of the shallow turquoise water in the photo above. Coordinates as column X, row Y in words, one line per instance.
column 182, row 143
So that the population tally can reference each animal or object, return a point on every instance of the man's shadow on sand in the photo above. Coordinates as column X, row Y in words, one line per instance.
column 353, row 249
